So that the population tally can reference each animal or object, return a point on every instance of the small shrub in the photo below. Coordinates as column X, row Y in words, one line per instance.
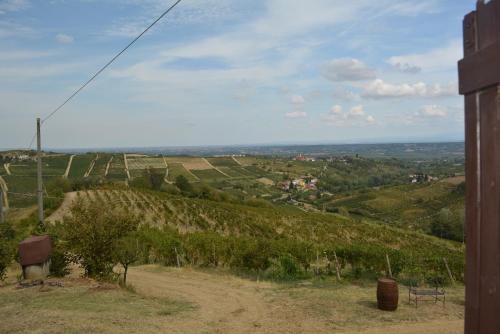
column 285, row 268
column 91, row 232
column 6, row 248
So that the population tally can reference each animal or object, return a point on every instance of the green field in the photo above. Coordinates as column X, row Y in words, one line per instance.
column 117, row 169
column 145, row 162
column 80, row 165
column 23, row 168
column 176, row 169
column 222, row 162
column 235, row 172
column 100, row 165
column 208, row 175
column 55, row 165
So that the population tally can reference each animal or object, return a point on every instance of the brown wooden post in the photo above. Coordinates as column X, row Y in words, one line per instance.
column 479, row 74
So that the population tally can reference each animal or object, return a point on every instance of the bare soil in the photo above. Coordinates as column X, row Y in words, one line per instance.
column 228, row 304
column 171, row 300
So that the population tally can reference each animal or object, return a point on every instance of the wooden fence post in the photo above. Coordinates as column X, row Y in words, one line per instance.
column 388, row 265
column 449, row 271
column 337, row 265
column 177, row 258
column 479, row 74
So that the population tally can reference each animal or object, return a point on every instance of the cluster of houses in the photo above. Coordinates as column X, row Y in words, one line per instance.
column 302, row 184
column 16, row 156
column 302, row 157
column 422, row 178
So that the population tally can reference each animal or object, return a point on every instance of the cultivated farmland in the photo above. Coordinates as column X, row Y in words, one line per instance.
column 80, row 165
column 116, row 170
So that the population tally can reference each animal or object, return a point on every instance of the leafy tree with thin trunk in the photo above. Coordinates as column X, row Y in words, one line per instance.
column 91, row 232
column 126, row 252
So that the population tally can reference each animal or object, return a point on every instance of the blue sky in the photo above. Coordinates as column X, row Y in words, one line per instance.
column 226, row 72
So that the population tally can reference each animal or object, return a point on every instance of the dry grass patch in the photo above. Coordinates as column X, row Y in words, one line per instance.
column 83, row 306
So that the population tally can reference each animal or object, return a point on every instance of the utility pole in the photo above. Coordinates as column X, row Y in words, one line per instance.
column 39, row 173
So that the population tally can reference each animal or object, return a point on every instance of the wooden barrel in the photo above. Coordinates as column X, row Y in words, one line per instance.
column 387, row 294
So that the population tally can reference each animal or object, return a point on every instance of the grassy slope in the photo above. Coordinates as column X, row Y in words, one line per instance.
column 412, row 206
column 272, row 222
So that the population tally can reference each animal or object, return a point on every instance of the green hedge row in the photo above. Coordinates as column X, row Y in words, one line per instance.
column 168, row 247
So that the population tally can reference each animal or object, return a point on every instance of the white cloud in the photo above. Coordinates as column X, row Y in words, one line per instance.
column 379, row 89
column 356, row 117
column 16, row 55
column 187, row 12
column 11, row 29
column 357, row 111
column 31, row 72
column 344, row 94
column 297, row 99
column 441, row 58
column 296, row 114
column 64, row 39
column 433, row 111
column 347, row 69
column 336, row 110
column 13, row 5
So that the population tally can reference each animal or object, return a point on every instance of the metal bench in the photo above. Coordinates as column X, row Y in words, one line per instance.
column 416, row 294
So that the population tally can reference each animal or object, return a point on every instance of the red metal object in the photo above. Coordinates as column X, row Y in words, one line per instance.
column 35, row 250
column 479, row 74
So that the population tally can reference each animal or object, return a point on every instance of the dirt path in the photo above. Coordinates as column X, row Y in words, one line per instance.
column 166, row 173
column 64, row 209
column 235, row 160
column 7, row 169
column 68, row 168
column 91, row 167
column 107, row 167
column 126, row 166
column 227, row 304
column 223, row 305
column 4, row 189
column 191, row 173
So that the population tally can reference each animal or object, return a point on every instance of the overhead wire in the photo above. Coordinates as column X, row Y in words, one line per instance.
column 104, row 68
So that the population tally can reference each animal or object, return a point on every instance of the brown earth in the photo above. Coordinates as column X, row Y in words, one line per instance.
column 171, row 300
column 228, row 304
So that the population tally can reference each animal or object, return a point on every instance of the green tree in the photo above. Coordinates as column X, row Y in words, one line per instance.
column 6, row 248
column 183, row 184
column 155, row 178
column 126, row 252
column 91, row 232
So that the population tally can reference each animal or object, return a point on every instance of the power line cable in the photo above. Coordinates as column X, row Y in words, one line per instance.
column 105, row 66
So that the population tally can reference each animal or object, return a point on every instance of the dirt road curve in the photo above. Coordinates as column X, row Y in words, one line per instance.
column 225, row 304
column 64, row 209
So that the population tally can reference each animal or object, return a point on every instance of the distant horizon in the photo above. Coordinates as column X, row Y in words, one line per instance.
column 254, row 145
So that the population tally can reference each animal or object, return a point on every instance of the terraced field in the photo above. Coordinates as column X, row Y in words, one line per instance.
column 223, row 162
column 411, row 206
column 175, row 169
column 55, row 165
column 80, row 165
column 116, row 170
column 23, row 168
column 208, row 175
column 100, row 165
column 144, row 162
